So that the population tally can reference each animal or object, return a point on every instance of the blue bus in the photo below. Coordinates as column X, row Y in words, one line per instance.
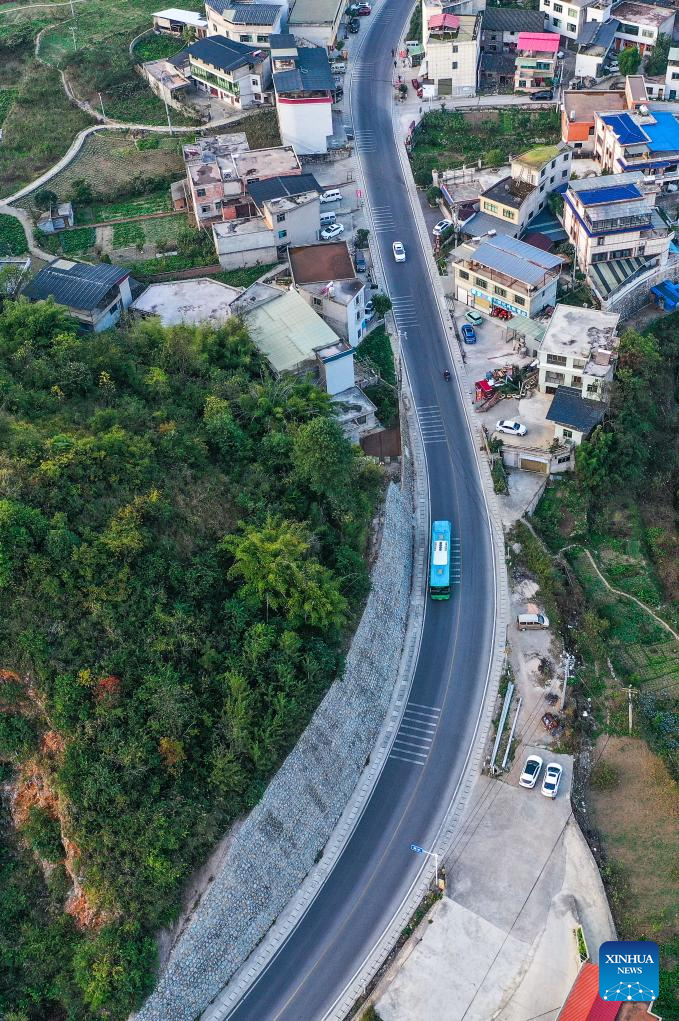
column 439, row 564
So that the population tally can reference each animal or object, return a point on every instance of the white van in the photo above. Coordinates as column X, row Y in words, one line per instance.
column 332, row 195
column 532, row 621
column 327, row 219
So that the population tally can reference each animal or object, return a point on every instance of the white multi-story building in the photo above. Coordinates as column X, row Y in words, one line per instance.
column 579, row 349
column 568, row 17
column 303, row 87
column 640, row 25
column 617, row 233
column 452, row 45
column 672, row 74
column 647, row 141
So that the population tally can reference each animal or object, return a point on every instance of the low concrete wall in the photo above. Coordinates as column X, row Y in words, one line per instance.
column 282, row 837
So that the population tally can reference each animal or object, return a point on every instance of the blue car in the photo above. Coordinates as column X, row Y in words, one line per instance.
column 468, row 335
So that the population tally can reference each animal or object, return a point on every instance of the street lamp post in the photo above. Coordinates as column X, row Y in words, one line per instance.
column 430, row 854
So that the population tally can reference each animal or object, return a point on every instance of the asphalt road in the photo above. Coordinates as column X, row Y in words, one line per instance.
column 376, row 869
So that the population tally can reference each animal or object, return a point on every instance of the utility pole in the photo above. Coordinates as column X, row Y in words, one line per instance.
column 102, row 105
column 167, row 109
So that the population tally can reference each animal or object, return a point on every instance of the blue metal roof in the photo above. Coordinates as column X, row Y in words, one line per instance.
column 627, row 131
column 664, row 134
column 616, row 193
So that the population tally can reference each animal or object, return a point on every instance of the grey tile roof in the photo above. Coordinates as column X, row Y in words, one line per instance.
column 282, row 40
column 498, row 63
column 571, row 409
column 503, row 19
column 246, row 14
column 280, row 187
column 311, row 74
column 75, row 284
column 223, row 53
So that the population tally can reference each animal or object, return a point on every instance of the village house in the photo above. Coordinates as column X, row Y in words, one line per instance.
column 245, row 242
column 235, row 73
column 536, row 56
column 579, row 350
column 452, row 44
column 94, row 295
column 324, row 275
column 569, row 17
column 303, row 89
column 596, row 41
column 501, row 26
column 219, row 172
column 640, row 25
column 316, row 22
column 617, row 233
column 505, row 273
column 671, row 89
column 252, row 23
column 578, row 111
column 167, row 81
column 647, row 141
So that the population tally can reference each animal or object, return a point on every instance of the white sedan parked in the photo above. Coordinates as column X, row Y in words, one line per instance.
column 551, row 780
column 531, row 771
column 399, row 251
column 335, row 230
column 511, row 426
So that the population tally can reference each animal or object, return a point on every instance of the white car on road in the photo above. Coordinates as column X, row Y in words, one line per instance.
column 334, row 231
column 531, row 771
column 511, row 426
column 551, row 780
column 399, row 251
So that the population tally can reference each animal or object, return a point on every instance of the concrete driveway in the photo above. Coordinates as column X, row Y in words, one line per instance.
column 501, row 943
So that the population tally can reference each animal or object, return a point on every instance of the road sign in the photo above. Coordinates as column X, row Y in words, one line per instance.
column 417, row 849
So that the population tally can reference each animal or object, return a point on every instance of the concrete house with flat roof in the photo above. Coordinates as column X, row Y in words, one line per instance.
column 579, row 350
column 452, row 44
column 316, row 22
column 640, row 25
column 252, row 23
column 569, row 17
column 196, row 302
column 578, row 112
column 325, row 276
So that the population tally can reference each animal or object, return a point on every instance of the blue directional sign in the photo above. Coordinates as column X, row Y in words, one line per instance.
column 417, row 849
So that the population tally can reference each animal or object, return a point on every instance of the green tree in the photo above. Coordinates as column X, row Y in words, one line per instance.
column 42, row 832
column 324, row 461
column 44, row 198
column 657, row 61
column 113, row 969
column 362, row 236
column 381, row 304
column 81, row 191
column 494, row 158
column 629, row 60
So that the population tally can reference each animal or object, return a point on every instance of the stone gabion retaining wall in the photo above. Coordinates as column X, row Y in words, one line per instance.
column 282, row 837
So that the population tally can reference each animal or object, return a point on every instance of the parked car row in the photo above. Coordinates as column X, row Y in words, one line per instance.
column 551, row 781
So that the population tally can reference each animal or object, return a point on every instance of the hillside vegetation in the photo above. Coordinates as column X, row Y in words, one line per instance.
column 181, row 556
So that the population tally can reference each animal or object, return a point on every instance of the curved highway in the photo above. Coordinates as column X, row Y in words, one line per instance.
column 376, row 869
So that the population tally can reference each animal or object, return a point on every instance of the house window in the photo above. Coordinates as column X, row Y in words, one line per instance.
column 480, row 282
column 571, row 28
column 557, row 360
column 543, row 171
column 578, row 363
column 518, row 300
column 572, row 13
column 255, row 81
column 647, row 33
column 600, row 241
column 548, row 3
column 361, row 420
column 558, row 8
column 205, row 209
column 542, row 187
column 576, row 381
column 200, row 192
column 500, row 291
column 245, row 38
column 317, row 302
column 490, row 207
column 551, row 180
column 568, row 434
column 262, row 38
column 455, row 49
column 280, row 218
column 553, row 164
column 556, row 21
column 564, row 173
column 282, row 234
column 463, row 275
column 454, row 65
column 592, row 388
column 508, row 214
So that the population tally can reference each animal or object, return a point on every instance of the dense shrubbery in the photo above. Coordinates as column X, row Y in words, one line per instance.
column 181, row 542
